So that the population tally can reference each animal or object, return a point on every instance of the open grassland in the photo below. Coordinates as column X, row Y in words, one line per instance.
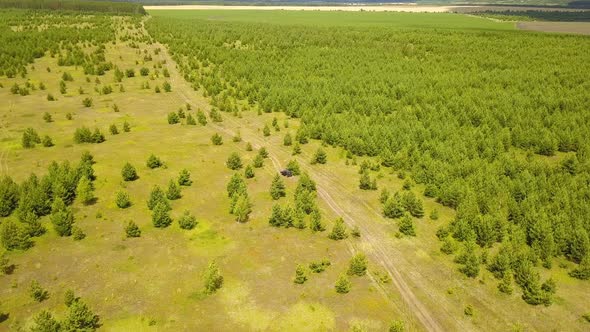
column 154, row 282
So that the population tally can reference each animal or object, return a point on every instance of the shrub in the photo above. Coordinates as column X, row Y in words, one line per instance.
column 173, row 192
column 84, row 190
column 14, row 236
column 160, row 216
column 184, row 178
column 338, row 231
column 397, row 326
column 287, row 141
column 122, row 200
column 300, row 275
column 47, row 117
column 358, row 265
column 320, row 157
column 126, row 127
column 50, row 97
column 406, row 226
column 249, row 172
column 30, row 138
column 153, row 162
column 69, row 297
column 47, row 141
column 293, row 166
column 84, row 135
column 144, row 71
column 113, row 129
column 87, row 102
column 187, row 221
column 266, row 130
column 37, row 292
column 45, row 322
column 258, row 161
column 130, row 72
column 132, row 230
column 277, row 188
column 157, row 195
column 129, row 173
column 173, row 118
column 167, row 87
column 78, row 234
column 212, row 278
column 80, row 318
column 318, row 267
column 343, row 284
column 234, row 161
column 216, row 139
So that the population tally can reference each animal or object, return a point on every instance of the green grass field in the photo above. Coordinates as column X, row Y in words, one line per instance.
column 154, row 282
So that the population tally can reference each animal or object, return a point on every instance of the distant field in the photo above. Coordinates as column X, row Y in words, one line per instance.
column 330, row 18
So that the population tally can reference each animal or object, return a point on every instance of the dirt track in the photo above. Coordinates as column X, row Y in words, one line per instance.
column 562, row 27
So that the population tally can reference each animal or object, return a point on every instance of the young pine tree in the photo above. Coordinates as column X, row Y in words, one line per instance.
column 187, row 220
column 277, row 188
column 249, row 172
column 160, row 216
column 343, row 284
column 300, row 275
column 184, row 178
column 315, row 223
column 132, row 230
column 234, row 161
column 173, row 192
column 84, row 191
column 358, row 265
column 406, row 226
column 338, row 231
column 320, row 157
column 122, row 200
column 129, row 173
column 212, row 278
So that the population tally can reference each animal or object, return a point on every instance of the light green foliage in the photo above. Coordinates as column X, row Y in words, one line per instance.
column 343, row 284
column 258, row 161
column 358, row 265
column 406, row 226
column 212, row 278
column 153, row 162
column 187, row 220
column 45, row 322
column 30, row 138
column 287, row 141
column 80, row 318
column 249, row 172
column 129, row 173
column 122, row 200
column 338, row 230
column 37, row 292
column 69, row 297
column 78, row 234
column 184, row 178
column 300, row 275
column 160, row 215
column 397, row 326
column 293, row 166
column 173, row 192
column 320, row 266
column 315, row 223
column 132, row 230
column 62, row 218
column 234, row 161
column 277, row 188
column 216, row 139
column 320, row 157
column 85, row 191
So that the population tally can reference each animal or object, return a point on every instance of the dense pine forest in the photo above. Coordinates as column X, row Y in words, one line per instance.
column 491, row 123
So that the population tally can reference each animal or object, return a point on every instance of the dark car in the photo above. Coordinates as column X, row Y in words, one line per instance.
column 286, row 173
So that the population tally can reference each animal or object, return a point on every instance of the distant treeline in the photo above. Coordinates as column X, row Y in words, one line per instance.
column 88, row 6
column 538, row 15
